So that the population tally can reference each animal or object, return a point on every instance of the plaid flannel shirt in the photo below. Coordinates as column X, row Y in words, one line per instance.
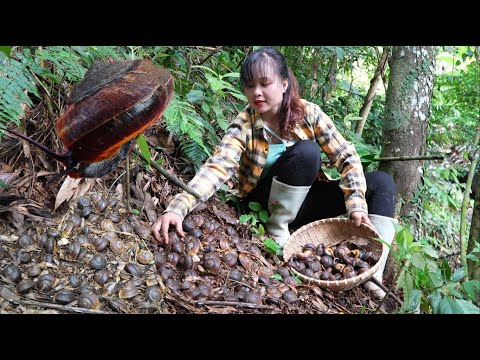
column 244, row 149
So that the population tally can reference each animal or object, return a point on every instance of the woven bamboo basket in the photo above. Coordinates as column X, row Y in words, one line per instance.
column 330, row 232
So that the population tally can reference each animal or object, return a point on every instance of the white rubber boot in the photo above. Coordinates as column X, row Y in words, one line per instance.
column 386, row 230
column 283, row 205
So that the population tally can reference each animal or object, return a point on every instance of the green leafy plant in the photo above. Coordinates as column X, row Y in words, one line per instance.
column 428, row 282
column 256, row 218
column 5, row 186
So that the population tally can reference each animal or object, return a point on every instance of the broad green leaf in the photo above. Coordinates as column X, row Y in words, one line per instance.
column 238, row 95
column 272, row 246
column 431, row 252
column 263, row 215
column 232, row 74
column 6, row 50
column 472, row 288
column 135, row 211
column 413, row 300
column 418, row 261
column 452, row 289
column 261, row 230
column 331, row 172
column 5, row 186
column 245, row 218
column 450, row 305
column 473, row 257
column 144, row 149
column 431, row 265
column 404, row 239
column 435, row 278
column 458, row 274
column 195, row 96
column 255, row 206
column 206, row 107
column 277, row 276
column 435, row 299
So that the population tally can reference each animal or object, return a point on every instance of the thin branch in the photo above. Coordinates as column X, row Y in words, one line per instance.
column 169, row 176
column 210, row 55
column 58, row 307
column 233, row 303
column 408, row 158
column 387, row 290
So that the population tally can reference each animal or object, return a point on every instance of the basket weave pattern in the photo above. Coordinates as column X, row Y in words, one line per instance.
column 329, row 232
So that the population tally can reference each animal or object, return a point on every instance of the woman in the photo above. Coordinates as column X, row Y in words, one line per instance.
column 274, row 143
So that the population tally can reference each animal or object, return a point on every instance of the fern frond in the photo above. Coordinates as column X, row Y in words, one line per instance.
column 15, row 84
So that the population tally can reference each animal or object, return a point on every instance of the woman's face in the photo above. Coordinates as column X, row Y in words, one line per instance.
column 265, row 92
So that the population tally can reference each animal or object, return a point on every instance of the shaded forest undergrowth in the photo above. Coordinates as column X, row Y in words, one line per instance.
column 93, row 255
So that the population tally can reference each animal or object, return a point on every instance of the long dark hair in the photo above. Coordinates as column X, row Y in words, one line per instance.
column 291, row 110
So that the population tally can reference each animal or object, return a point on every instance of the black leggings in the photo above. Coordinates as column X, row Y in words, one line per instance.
column 299, row 166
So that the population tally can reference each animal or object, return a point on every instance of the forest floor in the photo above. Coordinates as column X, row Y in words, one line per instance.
column 59, row 256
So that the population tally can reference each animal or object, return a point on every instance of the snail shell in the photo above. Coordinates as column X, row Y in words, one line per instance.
column 34, row 270
column 101, row 277
column 74, row 250
column 23, row 256
column 25, row 286
column 88, row 300
column 289, row 296
column 153, row 293
column 230, row 258
column 128, row 291
column 64, row 297
column 117, row 246
column 134, row 269
column 25, row 240
column 75, row 280
column 46, row 282
column 12, row 273
column 98, row 262
column 145, row 257
column 83, row 202
column 100, row 243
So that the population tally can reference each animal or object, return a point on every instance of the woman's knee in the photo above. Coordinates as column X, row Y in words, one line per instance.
column 380, row 180
column 306, row 151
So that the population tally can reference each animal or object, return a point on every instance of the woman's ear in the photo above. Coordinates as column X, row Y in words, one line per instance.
column 285, row 85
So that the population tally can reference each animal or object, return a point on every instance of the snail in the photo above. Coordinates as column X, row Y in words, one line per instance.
column 12, row 273
column 88, row 300
column 113, row 104
column 75, row 280
column 97, row 262
column 64, row 297
column 25, row 240
column 25, row 286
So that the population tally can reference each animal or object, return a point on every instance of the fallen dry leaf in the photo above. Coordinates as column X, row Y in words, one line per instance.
column 66, row 190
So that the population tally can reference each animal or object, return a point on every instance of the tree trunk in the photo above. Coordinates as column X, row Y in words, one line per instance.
column 367, row 104
column 407, row 110
column 331, row 80
column 474, row 267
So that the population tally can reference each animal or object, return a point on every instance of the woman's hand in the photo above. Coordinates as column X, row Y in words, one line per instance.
column 161, row 226
column 359, row 217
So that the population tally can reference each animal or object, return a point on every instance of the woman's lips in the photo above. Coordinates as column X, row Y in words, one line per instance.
column 259, row 103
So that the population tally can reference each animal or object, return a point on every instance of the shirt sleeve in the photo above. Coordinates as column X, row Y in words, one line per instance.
column 216, row 170
column 343, row 156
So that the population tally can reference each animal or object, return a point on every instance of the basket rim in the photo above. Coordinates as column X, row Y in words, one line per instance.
column 345, row 284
